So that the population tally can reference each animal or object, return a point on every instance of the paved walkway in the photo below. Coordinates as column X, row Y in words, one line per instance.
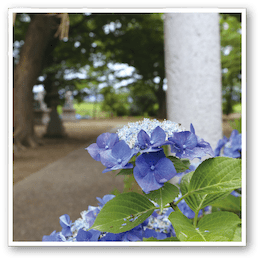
column 67, row 186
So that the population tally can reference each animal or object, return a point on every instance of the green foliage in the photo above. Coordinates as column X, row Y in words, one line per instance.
column 144, row 100
column 115, row 103
column 214, row 175
column 237, row 124
column 198, row 201
column 164, row 195
column 123, row 213
column 229, row 203
column 230, row 29
column 214, row 179
column 219, row 226
column 181, row 165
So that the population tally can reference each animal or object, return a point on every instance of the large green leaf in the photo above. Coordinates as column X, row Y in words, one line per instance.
column 218, row 226
column 164, row 195
column 230, row 203
column 123, row 213
column 216, row 175
column 198, row 201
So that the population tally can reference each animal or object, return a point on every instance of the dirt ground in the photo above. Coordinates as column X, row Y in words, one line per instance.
column 79, row 133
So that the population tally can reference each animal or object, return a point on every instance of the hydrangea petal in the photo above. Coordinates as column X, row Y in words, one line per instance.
column 65, row 223
column 94, row 151
column 147, row 182
column 164, row 170
column 158, row 136
column 107, row 139
column 91, row 235
column 220, row 144
column 121, row 150
column 143, row 139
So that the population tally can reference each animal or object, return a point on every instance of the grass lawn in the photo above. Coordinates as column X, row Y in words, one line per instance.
column 237, row 108
column 86, row 109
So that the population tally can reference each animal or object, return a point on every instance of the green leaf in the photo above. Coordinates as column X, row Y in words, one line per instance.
column 125, row 172
column 198, row 201
column 123, row 213
column 230, row 203
column 181, row 165
column 238, row 234
column 164, row 195
column 216, row 175
column 218, row 226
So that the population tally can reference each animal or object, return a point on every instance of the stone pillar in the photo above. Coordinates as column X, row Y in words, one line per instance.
column 193, row 71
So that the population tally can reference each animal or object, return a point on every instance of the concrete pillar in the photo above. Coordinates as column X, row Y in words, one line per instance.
column 193, row 71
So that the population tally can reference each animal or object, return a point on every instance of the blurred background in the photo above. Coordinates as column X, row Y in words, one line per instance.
column 78, row 75
column 113, row 67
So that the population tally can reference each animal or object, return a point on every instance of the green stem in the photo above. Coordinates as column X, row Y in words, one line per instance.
column 174, row 206
column 186, row 195
column 195, row 218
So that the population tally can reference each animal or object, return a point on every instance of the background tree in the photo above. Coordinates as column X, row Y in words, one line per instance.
column 230, row 27
column 25, row 75
column 138, row 40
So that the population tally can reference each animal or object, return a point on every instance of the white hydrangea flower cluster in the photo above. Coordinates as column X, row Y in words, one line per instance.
column 129, row 132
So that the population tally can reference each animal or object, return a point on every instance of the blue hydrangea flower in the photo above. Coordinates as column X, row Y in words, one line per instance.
column 156, row 234
column 53, row 237
column 104, row 142
column 134, row 234
column 232, row 146
column 205, row 146
column 183, row 144
column 118, row 157
column 65, row 223
column 153, row 143
column 91, row 235
column 187, row 145
column 105, row 199
column 152, row 170
column 220, row 145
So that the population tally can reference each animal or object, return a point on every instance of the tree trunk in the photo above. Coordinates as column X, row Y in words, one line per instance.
column 161, row 97
column 39, row 34
column 193, row 70
column 228, row 108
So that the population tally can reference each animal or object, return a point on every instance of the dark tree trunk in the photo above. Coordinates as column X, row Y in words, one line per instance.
column 229, row 102
column 39, row 35
column 161, row 97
